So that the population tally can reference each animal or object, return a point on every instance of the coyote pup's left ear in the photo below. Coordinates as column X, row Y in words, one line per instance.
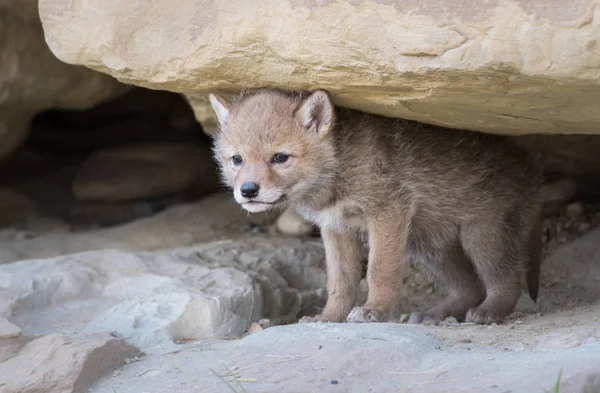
column 221, row 108
column 316, row 113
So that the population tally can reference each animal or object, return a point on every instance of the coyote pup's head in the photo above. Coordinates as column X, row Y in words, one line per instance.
column 275, row 147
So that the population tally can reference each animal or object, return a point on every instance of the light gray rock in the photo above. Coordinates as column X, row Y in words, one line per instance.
column 154, row 299
column 356, row 358
column 571, row 274
column 582, row 383
column 59, row 364
column 8, row 330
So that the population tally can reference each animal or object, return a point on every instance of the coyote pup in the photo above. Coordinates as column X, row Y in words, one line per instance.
column 461, row 205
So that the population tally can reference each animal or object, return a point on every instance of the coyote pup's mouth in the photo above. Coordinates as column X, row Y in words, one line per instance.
column 258, row 206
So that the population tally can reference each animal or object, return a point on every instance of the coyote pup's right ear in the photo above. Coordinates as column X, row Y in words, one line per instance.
column 221, row 108
column 317, row 113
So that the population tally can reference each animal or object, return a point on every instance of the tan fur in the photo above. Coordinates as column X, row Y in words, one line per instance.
column 460, row 205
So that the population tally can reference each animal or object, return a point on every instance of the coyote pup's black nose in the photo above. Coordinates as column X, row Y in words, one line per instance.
column 249, row 190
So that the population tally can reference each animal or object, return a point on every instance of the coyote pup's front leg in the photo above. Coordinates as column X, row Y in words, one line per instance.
column 388, row 233
column 343, row 260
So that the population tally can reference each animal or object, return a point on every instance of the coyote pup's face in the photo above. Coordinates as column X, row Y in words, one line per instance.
column 274, row 148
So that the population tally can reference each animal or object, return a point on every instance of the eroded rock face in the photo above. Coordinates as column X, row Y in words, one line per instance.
column 33, row 79
column 497, row 66
column 57, row 363
column 155, row 299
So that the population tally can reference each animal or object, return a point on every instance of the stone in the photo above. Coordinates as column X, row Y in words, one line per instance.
column 153, row 300
column 41, row 225
column 291, row 223
column 254, row 328
column 574, row 210
column 510, row 67
column 582, row 383
column 32, row 79
column 567, row 158
column 8, row 330
column 15, row 207
column 574, row 272
column 95, row 214
column 386, row 358
column 57, row 363
column 214, row 218
column 558, row 192
column 143, row 171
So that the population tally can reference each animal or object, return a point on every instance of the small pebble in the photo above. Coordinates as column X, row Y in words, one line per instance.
column 251, row 227
column 583, row 227
column 254, row 328
column 264, row 323
column 574, row 210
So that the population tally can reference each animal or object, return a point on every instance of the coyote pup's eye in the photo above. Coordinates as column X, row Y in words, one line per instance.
column 280, row 158
column 237, row 160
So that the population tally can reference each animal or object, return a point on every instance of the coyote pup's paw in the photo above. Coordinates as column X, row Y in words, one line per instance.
column 483, row 316
column 321, row 318
column 423, row 318
column 307, row 319
column 368, row 314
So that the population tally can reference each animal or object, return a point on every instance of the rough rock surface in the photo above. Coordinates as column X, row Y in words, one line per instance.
column 582, row 383
column 143, row 171
column 497, row 66
column 61, row 364
column 214, row 218
column 32, row 79
column 153, row 300
column 8, row 330
column 159, row 300
column 365, row 358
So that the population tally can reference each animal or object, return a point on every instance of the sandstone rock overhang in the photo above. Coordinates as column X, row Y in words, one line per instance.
column 510, row 67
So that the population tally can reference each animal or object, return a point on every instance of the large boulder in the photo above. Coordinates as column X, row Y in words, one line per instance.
column 32, row 79
column 497, row 66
